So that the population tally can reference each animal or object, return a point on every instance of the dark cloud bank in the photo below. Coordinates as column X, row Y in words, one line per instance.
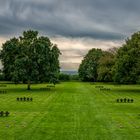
column 101, row 19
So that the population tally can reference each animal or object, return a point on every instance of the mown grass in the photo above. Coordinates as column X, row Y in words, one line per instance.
column 70, row 111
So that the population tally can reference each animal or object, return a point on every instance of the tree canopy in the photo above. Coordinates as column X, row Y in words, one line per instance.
column 127, row 65
column 119, row 65
column 88, row 67
column 30, row 58
column 106, row 63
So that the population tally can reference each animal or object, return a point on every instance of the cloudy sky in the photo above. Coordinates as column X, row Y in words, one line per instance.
column 74, row 25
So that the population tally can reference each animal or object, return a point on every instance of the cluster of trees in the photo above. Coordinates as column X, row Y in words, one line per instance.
column 121, row 65
column 30, row 58
column 68, row 77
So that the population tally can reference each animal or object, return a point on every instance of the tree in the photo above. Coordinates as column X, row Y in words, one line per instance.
column 32, row 59
column 127, row 66
column 88, row 67
column 8, row 55
column 54, row 65
column 106, row 63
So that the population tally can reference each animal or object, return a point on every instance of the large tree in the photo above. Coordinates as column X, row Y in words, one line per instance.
column 8, row 55
column 127, row 65
column 88, row 67
column 106, row 63
column 30, row 58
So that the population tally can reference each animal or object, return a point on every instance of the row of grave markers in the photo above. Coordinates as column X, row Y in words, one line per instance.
column 2, row 85
column 2, row 113
column 48, row 87
column 6, row 113
column 3, row 91
column 102, row 88
column 25, row 99
column 125, row 100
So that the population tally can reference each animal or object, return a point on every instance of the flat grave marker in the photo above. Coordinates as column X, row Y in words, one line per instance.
column 2, row 85
column 99, row 86
column 50, row 85
column 47, row 88
column 105, row 89
column 3, row 91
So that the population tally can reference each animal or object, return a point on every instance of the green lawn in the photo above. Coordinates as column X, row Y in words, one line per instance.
column 70, row 111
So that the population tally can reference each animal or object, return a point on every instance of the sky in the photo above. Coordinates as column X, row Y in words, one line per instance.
column 76, row 26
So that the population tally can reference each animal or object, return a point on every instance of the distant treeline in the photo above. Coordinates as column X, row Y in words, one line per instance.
column 120, row 65
column 68, row 77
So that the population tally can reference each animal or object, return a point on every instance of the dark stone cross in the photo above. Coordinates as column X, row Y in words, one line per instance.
column 7, row 113
column 121, row 100
column 132, row 100
column 128, row 100
column 117, row 100
column 1, row 113
column 24, row 98
column 125, row 100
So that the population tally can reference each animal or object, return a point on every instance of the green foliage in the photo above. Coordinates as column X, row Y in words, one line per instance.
column 68, row 77
column 106, row 63
column 75, row 77
column 127, row 65
column 1, row 77
column 64, row 77
column 119, row 65
column 30, row 58
column 8, row 56
column 88, row 67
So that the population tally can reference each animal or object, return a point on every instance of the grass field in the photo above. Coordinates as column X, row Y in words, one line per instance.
column 70, row 111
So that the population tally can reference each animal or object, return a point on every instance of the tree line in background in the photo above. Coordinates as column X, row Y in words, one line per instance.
column 120, row 65
column 68, row 77
column 30, row 58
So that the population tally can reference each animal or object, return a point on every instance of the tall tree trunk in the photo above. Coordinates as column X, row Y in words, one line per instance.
column 29, row 85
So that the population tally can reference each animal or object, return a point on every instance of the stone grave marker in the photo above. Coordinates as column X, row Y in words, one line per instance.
column 24, row 98
column 7, row 113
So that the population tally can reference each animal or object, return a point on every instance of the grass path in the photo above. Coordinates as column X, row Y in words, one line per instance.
column 71, row 111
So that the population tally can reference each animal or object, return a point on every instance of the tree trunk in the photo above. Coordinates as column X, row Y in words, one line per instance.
column 29, row 84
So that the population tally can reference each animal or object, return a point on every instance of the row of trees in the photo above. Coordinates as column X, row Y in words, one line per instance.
column 30, row 58
column 68, row 77
column 120, row 65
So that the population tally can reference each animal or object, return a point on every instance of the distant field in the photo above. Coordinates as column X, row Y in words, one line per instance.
column 70, row 111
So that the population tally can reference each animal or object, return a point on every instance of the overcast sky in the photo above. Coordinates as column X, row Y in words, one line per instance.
column 74, row 25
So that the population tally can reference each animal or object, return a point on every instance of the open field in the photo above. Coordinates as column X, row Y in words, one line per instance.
column 70, row 111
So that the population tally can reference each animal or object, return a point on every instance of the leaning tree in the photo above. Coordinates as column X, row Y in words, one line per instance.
column 30, row 58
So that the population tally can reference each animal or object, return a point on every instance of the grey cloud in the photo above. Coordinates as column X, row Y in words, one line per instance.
column 100, row 19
